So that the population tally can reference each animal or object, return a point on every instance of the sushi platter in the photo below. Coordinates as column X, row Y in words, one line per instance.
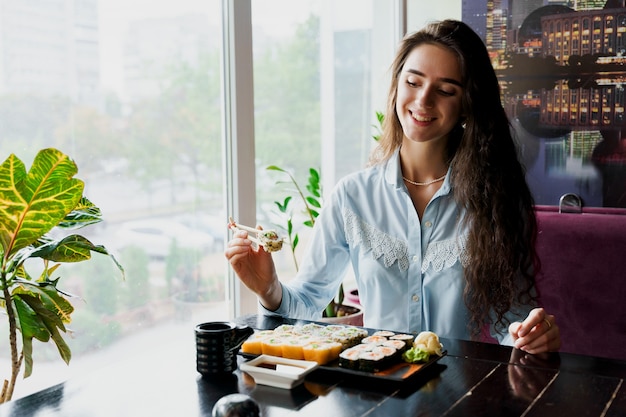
column 349, row 350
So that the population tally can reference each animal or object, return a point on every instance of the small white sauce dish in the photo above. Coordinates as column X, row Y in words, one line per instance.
column 278, row 372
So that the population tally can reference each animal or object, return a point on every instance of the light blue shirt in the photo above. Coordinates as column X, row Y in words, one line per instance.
column 409, row 273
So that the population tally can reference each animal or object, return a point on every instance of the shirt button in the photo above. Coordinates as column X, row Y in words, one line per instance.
column 415, row 258
column 416, row 298
column 428, row 224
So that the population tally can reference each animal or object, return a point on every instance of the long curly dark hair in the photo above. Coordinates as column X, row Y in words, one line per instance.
column 488, row 180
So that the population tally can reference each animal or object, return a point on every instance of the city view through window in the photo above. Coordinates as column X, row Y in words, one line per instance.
column 561, row 69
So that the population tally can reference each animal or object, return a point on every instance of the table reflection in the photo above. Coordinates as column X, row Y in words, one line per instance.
column 527, row 378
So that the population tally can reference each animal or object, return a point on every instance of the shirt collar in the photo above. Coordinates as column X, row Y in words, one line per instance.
column 393, row 174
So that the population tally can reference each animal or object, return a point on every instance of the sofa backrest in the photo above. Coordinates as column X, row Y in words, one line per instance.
column 582, row 280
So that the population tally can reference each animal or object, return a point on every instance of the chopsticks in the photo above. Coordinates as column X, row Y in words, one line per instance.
column 234, row 225
column 267, row 239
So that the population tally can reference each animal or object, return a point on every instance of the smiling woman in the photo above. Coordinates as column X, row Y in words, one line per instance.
column 429, row 106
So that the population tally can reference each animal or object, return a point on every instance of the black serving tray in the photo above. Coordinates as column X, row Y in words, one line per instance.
column 397, row 372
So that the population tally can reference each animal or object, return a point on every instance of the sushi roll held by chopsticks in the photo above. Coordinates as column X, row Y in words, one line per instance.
column 268, row 239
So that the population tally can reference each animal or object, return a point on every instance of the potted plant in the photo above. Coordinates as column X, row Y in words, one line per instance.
column 35, row 206
column 336, row 311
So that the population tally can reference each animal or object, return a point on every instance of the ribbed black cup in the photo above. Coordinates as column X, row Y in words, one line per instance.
column 216, row 346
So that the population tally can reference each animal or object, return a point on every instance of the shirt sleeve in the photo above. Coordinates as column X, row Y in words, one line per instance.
column 322, row 269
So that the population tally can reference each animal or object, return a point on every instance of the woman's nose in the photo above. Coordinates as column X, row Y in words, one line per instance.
column 424, row 97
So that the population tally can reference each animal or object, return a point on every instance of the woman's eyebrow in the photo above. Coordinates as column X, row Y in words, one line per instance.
column 446, row 80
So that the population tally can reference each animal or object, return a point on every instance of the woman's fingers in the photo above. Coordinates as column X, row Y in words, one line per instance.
column 537, row 333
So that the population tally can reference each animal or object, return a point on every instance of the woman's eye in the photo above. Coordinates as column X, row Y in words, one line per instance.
column 411, row 83
column 446, row 93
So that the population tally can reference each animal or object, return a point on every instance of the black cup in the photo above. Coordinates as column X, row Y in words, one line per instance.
column 217, row 343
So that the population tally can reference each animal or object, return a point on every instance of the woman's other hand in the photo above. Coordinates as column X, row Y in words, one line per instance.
column 538, row 333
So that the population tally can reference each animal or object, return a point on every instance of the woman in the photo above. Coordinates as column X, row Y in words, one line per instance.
column 440, row 228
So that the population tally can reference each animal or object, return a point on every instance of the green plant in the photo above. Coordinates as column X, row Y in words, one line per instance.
column 312, row 201
column 35, row 207
column 380, row 117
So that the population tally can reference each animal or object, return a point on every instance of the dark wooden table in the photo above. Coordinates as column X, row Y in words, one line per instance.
column 473, row 379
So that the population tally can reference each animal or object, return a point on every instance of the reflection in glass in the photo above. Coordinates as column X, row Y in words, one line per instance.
column 561, row 68
column 571, row 137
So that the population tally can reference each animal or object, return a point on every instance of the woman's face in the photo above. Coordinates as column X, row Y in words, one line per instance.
column 429, row 93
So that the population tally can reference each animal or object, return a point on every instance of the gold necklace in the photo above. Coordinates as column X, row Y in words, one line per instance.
column 424, row 183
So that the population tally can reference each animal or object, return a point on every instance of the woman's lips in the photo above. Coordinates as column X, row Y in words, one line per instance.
column 422, row 118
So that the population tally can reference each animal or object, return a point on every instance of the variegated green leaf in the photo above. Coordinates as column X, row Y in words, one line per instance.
column 73, row 248
column 29, row 322
column 36, row 321
column 27, row 351
column 32, row 203
column 53, row 323
column 84, row 214
column 30, row 326
column 50, row 299
column 64, row 350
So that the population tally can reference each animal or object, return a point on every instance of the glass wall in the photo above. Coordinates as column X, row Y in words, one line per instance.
column 131, row 91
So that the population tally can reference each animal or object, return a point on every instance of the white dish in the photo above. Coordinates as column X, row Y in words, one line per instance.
column 278, row 372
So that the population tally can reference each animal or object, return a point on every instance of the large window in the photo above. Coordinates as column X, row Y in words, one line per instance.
column 131, row 91
column 313, row 98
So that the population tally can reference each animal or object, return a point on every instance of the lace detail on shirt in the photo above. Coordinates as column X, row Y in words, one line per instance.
column 444, row 254
column 380, row 243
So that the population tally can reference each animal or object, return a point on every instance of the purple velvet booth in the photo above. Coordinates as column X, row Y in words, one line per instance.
column 583, row 278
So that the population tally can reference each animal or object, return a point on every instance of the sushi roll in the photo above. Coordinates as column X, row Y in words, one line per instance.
column 334, row 328
column 321, row 353
column 297, row 329
column 390, row 355
column 272, row 346
column 398, row 345
column 406, row 338
column 384, row 333
column 325, row 332
column 349, row 358
column 377, row 340
column 292, row 347
column 371, row 361
column 253, row 344
column 364, row 347
column 284, row 328
column 312, row 328
column 354, row 335
column 342, row 337
column 357, row 334
column 335, row 347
